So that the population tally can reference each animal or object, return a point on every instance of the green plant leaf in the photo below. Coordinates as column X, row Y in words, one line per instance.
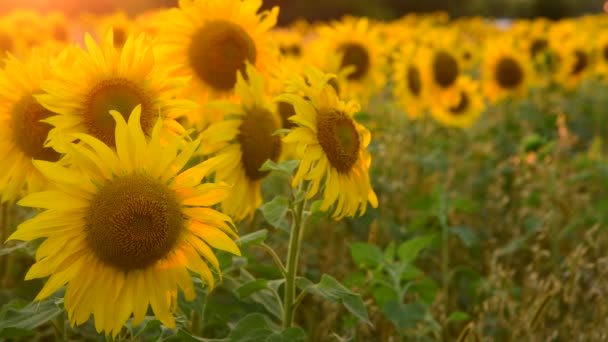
column 254, row 238
column 458, row 316
column 408, row 251
column 294, row 334
column 426, row 289
column 252, row 287
column 331, row 289
column 251, row 328
column 366, row 255
column 275, row 210
column 15, row 316
column 286, row 167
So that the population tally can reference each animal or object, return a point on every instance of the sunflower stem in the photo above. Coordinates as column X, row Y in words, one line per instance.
column 293, row 253
column 275, row 258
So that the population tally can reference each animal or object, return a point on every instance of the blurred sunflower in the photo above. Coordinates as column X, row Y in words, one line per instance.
column 243, row 142
column 601, row 54
column 22, row 133
column 331, row 145
column 352, row 49
column 440, row 66
column 575, row 60
column 211, row 40
column 505, row 71
column 123, row 228
column 408, row 88
column 468, row 108
column 121, row 25
column 107, row 78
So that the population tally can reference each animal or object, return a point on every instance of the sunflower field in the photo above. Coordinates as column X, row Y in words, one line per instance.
column 198, row 173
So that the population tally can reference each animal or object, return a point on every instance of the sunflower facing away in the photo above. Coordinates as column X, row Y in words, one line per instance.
column 243, row 143
column 331, row 145
column 108, row 79
column 123, row 228
column 211, row 40
column 22, row 134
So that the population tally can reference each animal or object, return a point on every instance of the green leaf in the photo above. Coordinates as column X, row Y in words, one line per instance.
column 294, row 334
column 275, row 210
column 408, row 251
column 390, row 251
column 29, row 317
column 366, row 255
column 466, row 235
column 251, row 328
column 404, row 316
column 426, row 289
column 331, row 289
column 458, row 316
column 15, row 332
column 254, row 238
column 252, row 287
column 286, row 167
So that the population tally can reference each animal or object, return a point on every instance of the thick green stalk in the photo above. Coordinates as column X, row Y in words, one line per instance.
column 293, row 253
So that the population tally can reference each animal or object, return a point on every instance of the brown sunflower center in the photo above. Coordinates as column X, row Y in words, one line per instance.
column 445, row 69
column 462, row 105
column 28, row 132
column 339, row 139
column 538, row 45
column 413, row 80
column 509, row 73
column 218, row 50
column 286, row 110
column 580, row 63
column 257, row 142
column 60, row 33
column 6, row 43
column 133, row 222
column 117, row 94
column 605, row 52
column 356, row 55
column 120, row 36
column 290, row 50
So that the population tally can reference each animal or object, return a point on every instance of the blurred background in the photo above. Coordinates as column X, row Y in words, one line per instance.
column 322, row 9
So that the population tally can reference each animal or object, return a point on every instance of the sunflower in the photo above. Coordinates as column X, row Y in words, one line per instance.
column 468, row 108
column 22, row 134
column 211, row 40
column 123, row 228
column 505, row 72
column 353, row 51
column 440, row 66
column 242, row 143
column 108, row 79
column 119, row 23
column 575, row 60
column 408, row 88
column 330, row 144
column 601, row 54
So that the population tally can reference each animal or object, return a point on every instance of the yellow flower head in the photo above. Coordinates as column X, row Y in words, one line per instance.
column 243, row 142
column 22, row 133
column 352, row 50
column 106, row 78
column 211, row 40
column 409, row 88
column 331, row 145
column 123, row 227
column 464, row 112
column 506, row 72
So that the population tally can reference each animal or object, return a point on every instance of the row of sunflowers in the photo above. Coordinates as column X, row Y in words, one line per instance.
column 146, row 140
